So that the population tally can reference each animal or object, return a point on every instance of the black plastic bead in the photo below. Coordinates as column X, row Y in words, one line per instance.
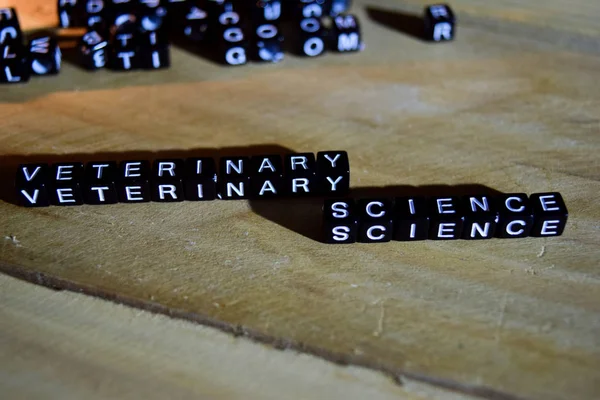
column 32, row 185
column 300, row 174
column 480, row 216
column 99, row 183
column 340, row 222
column 266, row 176
column 167, row 181
column 333, row 172
column 515, row 217
column 550, row 214
column 200, row 182
column 411, row 219
column 133, row 181
column 375, row 220
column 65, row 181
column 446, row 218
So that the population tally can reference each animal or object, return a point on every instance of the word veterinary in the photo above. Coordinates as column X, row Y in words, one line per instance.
column 444, row 218
column 194, row 179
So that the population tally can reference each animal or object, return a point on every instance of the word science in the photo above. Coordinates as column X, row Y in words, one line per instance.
column 174, row 180
column 509, row 216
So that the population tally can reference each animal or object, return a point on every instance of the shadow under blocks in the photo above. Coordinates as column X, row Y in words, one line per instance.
column 408, row 213
column 409, row 24
column 305, row 215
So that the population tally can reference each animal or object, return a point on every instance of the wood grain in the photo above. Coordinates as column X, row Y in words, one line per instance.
column 493, row 110
column 61, row 345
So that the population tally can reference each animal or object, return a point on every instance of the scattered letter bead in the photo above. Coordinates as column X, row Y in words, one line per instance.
column 95, row 14
column 71, row 14
column 66, row 180
column 411, row 219
column 446, row 218
column 233, row 46
column 264, row 10
column 152, row 15
column 333, row 172
column 32, row 185
column 44, row 56
column 549, row 214
column 346, row 34
column 200, row 182
column 300, row 175
column 307, row 9
column 515, row 217
column 155, row 50
column 99, row 183
column 133, row 184
column 92, row 50
column 439, row 23
column 266, row 176
column 10, row 29
column 375, row 220
column 14, row 67
column 167, row 181
column 337, row 7
column 122, row 12
column 480, row 216
column 309, row 41
column 268, row 43
column 193, row 22
column 340, row 224
column 234, row 179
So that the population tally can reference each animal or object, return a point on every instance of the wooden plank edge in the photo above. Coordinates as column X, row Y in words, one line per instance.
column 396, row 374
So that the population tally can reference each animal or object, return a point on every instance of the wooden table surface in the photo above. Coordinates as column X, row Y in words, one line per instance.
column 511, row 105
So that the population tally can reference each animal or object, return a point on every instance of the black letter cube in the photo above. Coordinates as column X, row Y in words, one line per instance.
column 439, row 23
column 99, row 184
column 309, row 41
column 345, row 34
column 71, row 13
column 32, row 185
column 92, row 50
column 549, row 214
column 66, row 180
column 375, row 220
column 133, row 182
column 234, row 178
column 266, row 176
column 515, row 216
column 44, row 56
column 14, row 67
column 333, row 172
column 446, row 218
column 340, row 222
column 167, row 181
column 200, row 182
column 300, row 176
column 480, row 217
column 411, row 219
column 10, row 29
column 267, row 43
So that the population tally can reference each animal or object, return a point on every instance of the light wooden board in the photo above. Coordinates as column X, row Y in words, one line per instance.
column 62, row 345
column 508, row 111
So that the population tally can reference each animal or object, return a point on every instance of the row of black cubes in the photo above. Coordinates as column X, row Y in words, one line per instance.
column 193, row 179
column 472, row 217
column 130, row 34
